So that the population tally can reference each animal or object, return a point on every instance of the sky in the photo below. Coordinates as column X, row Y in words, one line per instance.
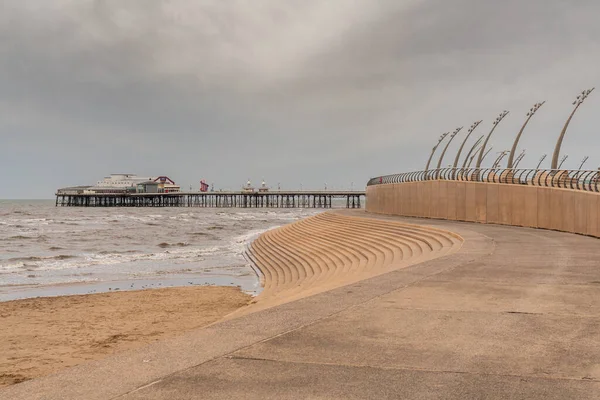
column 295, row 92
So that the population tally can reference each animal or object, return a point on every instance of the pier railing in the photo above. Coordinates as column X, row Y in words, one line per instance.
column 567, row 179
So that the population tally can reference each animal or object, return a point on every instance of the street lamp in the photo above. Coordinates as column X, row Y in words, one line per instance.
column 496, row 122
column 579, row 101
column 541, row 161
column 583, row 162
column 442, row 137
column 472, row 158
column 473, row 126
column 562, row 161
column 530, row 114
column 452, row 136
column 467, row 158
column 487, row 152
column 519, row 158
column 496, row 163
column 474, row 155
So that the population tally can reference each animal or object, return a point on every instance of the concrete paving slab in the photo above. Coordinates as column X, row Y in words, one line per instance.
column 381, row 335
column 466, row 295
column 226, row 379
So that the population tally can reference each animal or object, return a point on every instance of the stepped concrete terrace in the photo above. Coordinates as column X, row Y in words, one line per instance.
column 363, row 306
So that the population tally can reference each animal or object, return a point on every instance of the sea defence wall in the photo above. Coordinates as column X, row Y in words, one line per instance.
column 331, row 249
column 553, row 208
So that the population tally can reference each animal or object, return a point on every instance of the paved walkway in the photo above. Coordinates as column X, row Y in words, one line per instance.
column 515, row 314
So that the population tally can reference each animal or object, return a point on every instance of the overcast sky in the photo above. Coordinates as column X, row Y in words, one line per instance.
column 293, row 91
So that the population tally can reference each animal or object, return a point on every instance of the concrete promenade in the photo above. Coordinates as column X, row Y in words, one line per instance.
column 513, row 314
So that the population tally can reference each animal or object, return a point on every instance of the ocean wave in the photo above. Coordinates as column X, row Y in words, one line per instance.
column 35, row 258
column 116, row 252
column 203, row 234
column 106, row 258
column 111, row 243
column 43, row 221
column 166, row 245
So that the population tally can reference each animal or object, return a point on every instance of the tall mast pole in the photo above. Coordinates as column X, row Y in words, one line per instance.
column 562, row 161
column 471, row 129
column 452, row 136
column 541, row 161
column 496, row 122
column 467, row 158
column 578, row 102
column 518, row 159
column 530, row 114
column 434, row 149
column 583, row 162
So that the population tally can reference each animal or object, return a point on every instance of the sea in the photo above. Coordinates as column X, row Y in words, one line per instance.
column 51, row 251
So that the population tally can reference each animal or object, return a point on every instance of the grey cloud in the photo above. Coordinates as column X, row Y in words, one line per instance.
column 295, row 91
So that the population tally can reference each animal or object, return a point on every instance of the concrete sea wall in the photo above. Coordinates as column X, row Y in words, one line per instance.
column 490, row 203
column 332, row 249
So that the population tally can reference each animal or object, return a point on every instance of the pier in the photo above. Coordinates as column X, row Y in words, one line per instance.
column 240, row 199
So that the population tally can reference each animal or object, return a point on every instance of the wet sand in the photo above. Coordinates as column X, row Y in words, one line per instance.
column 44, row 335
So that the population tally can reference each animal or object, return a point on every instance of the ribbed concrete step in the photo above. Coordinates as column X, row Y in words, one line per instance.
column 330, row 250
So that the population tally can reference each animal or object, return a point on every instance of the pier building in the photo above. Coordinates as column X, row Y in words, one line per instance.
column 125, row 184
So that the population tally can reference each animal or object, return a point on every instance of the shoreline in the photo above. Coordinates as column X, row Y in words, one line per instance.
column 44, row 335
column 28, row 350
column 252, row 286
column 24, row 292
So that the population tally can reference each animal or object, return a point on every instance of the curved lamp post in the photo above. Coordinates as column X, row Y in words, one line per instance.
column 471, row 129
column 583, row 162
column 579, row 101
column 530, row 114
column 496, row 122
column 434, row 149
column 474, row 155
column 562, row 161
column 467, row 158
column 519, row 158
column 496, row 163
column 487, row 152
column 541, row 161
column 452, row 136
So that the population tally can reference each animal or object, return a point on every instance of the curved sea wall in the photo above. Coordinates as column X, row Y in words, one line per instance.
column 331, row 249
column 558, row 209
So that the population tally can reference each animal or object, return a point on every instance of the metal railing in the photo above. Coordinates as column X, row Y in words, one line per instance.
column 567, row 179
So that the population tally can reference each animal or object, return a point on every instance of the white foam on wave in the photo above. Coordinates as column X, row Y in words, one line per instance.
column 116, row 243
column 101, row 259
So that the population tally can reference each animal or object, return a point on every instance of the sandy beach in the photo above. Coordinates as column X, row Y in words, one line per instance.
column 44, row 335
